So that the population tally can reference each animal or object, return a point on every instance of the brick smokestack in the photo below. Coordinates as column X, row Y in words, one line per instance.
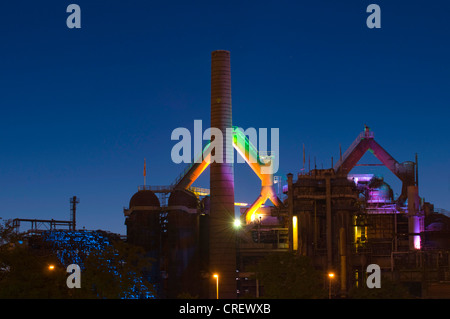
column 222, row 235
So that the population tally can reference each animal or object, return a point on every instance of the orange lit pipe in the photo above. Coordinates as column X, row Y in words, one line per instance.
column 249, row 152
column 267, row 192
column 196, row 169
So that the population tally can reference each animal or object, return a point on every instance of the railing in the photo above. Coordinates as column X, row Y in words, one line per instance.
column 156, row 189
column 196, row 160
column 199, row 191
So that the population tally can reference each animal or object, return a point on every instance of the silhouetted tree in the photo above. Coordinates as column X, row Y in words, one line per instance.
column 288, row 276
column 389, row 290
column 25, row 272
column 117, row 271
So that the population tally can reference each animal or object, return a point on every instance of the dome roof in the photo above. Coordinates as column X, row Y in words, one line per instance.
column 144, row 198
column 181, row 197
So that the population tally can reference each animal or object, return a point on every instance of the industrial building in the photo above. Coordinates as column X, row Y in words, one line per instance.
column 345, row 222
column 342, row 221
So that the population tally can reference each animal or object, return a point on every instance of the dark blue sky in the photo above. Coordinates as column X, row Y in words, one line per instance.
column 82, row 108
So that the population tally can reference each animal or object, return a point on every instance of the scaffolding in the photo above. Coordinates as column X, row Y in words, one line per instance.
column 40, row 225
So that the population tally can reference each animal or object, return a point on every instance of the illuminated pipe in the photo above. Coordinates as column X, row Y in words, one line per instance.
column 196, row 168
column 414, row 224
column 251, row 156
column 240, row 204
column 294, row 233
column 415, row 230
column 267, row 192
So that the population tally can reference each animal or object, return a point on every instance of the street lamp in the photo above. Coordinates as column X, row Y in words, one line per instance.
column 330, row 276
column 217, row 285
column 51, row 267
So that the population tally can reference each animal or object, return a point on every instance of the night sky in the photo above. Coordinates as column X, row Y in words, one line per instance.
column 82, row 108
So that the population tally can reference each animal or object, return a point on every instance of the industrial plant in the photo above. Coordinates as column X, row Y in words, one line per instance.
column 343, row 222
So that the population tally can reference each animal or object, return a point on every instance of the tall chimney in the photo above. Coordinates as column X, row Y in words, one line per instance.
column 222, row 235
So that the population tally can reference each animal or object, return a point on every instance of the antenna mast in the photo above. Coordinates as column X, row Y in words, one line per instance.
column 73, row 211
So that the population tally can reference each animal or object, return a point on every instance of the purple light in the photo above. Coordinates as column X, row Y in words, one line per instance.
column 417, row 230
column 417, row 242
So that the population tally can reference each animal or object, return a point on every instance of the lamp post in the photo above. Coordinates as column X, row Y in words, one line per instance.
column 217, row 285
column 50, row 268
column 330, row 276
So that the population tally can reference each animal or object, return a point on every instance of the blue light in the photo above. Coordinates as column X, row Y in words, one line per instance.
column 72, row 247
